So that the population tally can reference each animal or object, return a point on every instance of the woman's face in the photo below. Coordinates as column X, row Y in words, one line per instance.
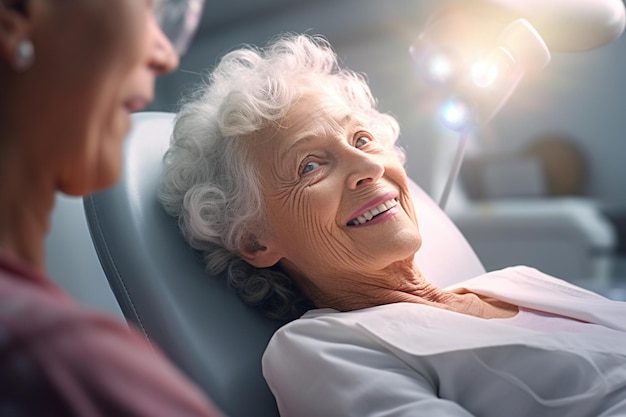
column 337, row 198
column 96, row 62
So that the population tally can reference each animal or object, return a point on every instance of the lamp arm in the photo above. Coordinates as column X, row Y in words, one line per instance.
column 569, row 25
column 454, row 168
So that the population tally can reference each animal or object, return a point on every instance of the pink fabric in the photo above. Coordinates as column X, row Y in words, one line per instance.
column 59, row 358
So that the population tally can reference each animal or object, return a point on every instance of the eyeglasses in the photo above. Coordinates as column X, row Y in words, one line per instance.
column 178, row 20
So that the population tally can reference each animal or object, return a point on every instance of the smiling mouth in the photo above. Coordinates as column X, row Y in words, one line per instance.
column 371, row 213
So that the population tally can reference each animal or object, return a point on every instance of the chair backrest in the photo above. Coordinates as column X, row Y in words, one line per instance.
column 163, row 287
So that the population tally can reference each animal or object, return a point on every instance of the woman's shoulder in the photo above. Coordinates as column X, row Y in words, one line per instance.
column 30, row 301
column 320, row 331
column 329, row 326
column 36, row 312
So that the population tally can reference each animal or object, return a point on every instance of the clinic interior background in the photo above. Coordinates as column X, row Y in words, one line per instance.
column 579, row 96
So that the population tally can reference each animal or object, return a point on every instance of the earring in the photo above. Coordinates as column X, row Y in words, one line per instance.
column 24, row 55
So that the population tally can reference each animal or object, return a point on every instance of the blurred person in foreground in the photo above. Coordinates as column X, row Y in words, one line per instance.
column 285, row 175
column 71, row 72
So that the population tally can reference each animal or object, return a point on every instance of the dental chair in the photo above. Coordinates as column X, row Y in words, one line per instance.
column 163, row 288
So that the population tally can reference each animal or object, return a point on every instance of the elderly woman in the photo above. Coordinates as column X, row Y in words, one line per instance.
column 285, row 175
column 71, row 72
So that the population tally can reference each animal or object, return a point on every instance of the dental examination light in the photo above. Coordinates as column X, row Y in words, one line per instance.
column 473, row 53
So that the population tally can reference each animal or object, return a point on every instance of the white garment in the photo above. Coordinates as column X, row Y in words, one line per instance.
column 413, row 360
column 547, row 322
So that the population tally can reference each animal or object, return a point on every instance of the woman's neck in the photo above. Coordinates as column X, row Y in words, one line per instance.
column 26, row 202
column 399, row 282
column 403, row 283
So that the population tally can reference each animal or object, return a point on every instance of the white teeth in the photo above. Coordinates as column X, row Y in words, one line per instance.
column 370, row 214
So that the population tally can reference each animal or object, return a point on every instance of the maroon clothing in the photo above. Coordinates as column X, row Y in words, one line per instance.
column 58, row 358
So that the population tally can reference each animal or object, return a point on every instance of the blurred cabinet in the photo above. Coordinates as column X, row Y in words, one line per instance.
column 567, row 237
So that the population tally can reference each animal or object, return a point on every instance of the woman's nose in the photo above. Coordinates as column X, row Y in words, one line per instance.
column 364, row 169
column 164, row 58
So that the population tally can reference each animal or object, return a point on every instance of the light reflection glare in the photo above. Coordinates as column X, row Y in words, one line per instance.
column 436, row 66
column 440, row 68
column 483, row 74
column 456, row 114
column 498, row 64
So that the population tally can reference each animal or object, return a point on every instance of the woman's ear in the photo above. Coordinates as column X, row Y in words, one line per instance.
column 13, row 27
column 260, row 254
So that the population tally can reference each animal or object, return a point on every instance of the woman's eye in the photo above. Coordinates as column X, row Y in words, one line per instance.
column 362, row 140
column 308, row 167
